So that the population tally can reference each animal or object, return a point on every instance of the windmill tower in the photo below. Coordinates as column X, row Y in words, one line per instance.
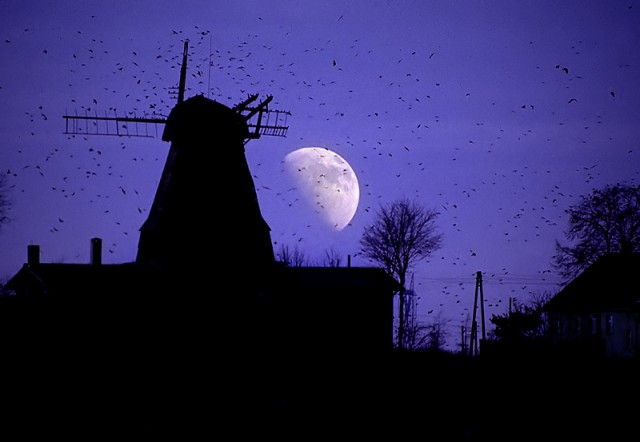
column 205, row 203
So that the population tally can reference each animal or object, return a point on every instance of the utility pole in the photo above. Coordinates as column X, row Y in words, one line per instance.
column 473, row 344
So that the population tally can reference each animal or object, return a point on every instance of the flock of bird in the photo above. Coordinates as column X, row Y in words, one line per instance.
column 500, row 162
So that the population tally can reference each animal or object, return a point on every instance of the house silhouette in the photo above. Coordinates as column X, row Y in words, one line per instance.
column 205, row 298
column 598, row 312
column 206, row 202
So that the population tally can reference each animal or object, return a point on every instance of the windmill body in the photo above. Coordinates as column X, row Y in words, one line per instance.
column 206, row 203
column 206, row 207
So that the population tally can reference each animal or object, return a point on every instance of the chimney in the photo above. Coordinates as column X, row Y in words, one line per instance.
column 96, row 251
column 33, row 254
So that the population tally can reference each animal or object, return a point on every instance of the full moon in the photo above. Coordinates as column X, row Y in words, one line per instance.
column 327, row 182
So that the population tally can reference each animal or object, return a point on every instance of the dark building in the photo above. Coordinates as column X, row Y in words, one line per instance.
column 599, row 310
column 206, row 203
column 205, row 250
column 133, row 348
column 205, row 309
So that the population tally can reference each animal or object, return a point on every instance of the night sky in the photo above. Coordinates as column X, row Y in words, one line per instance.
column 497, row 114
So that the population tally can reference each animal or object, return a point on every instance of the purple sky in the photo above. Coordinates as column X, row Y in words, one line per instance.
column 498, row 114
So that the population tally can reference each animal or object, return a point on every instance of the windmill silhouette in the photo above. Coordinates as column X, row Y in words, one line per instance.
column 269, row 121
column 206, row 200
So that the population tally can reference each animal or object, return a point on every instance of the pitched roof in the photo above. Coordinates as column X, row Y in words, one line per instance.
column 112, row 279
column 609, row 283
column 75, row 279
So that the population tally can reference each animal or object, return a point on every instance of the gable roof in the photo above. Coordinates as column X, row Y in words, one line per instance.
column 73, row 280
column 609, row 283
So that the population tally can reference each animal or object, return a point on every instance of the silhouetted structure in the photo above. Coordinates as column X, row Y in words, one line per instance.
column 206, row 203
column 599, row 311
column 473, row 344
column 345, row 311
column 204, row 296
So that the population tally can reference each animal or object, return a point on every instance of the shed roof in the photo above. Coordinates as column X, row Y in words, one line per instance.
column 609, row 283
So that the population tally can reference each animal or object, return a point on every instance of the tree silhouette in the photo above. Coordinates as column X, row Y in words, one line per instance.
column 332, row 258
column 425, row 337
column 402, row 233
column 606, row 221
column 297, row 257
column 292, row 257
column 4, row 200
column 522, row 321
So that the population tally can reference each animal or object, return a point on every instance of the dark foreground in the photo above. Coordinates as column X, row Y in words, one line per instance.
column 426, row 395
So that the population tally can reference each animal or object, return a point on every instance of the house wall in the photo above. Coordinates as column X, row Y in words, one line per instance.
column 331, row 320
column 615, row 332
column 620, row 333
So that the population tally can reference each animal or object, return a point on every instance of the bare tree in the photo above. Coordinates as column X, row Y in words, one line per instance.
column 5, row 206
column 291, row 258
column 296, row 257
column 429, row 336
column 606, row 221
column 332, row 258
column 402, row 234
column 4, row 200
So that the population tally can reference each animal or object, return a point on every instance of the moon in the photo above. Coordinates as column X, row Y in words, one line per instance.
column 327, row 182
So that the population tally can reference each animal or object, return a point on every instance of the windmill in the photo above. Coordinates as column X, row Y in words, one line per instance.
column 269, row 122
column 206, row 198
